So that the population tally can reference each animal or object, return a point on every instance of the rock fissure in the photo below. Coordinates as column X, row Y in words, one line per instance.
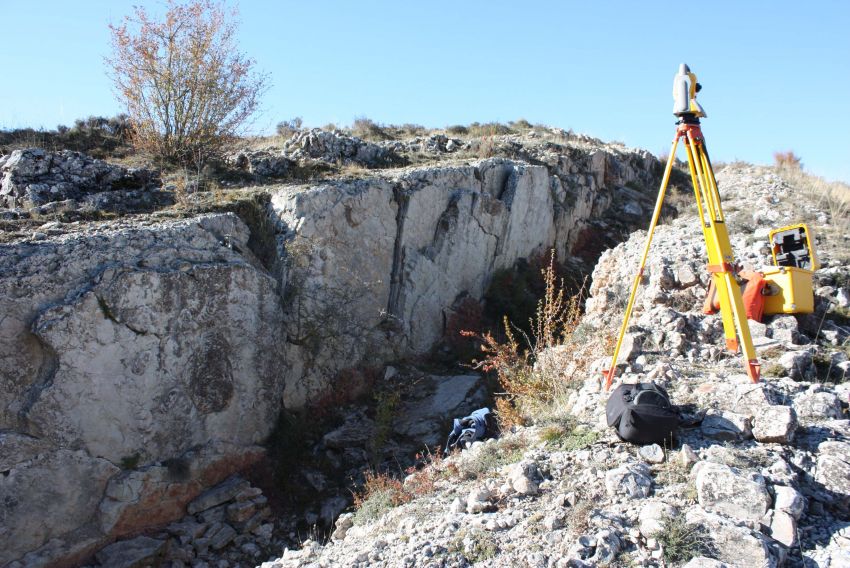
column 401, row 197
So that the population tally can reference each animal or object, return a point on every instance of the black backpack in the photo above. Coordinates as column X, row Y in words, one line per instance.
column 641, row 413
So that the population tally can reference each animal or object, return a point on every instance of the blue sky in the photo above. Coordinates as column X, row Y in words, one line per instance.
column 776, row 75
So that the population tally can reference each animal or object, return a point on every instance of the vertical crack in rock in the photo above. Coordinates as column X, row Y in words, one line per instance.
column 44, row 379
column 401, row 195
column 445, row 225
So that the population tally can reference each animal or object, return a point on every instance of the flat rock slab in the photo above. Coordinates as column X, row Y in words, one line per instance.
column 134, row 553
column 217, row 495
column 442, row 398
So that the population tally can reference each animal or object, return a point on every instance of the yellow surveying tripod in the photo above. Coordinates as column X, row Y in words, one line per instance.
column 721, row 262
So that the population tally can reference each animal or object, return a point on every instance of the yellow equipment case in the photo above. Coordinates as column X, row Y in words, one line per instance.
column 789, row 287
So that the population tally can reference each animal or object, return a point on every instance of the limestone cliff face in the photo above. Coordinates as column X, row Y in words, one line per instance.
column 376, row 266
column 144, row 360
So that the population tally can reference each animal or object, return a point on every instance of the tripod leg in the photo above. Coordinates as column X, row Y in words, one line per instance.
column 609, row 373
column 707, row 221
column 721, row 261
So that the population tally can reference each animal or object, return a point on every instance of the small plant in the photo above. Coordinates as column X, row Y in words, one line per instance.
column 681, row 541
column 490, row 457
column 380, row 493
column 579, row 518
column 567, row 435
column 457, row 130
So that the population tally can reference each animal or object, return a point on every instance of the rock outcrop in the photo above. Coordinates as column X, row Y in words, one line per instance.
column 33, row 177
column 146, row 358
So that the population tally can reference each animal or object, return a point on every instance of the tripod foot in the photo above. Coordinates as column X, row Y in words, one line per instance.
column 608, row 375
column 754, row 370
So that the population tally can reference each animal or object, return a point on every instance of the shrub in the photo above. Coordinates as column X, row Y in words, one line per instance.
column 368, row 129
column 457, row 130
column 187, row 89
column 787, row 160
column 96, row 135
column 286, row 128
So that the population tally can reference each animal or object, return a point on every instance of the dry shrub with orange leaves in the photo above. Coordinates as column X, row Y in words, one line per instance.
column 523, row 388
column 380, row 493
column 186, row 87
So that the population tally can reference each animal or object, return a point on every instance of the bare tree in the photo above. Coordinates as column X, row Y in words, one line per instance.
column 187, row 89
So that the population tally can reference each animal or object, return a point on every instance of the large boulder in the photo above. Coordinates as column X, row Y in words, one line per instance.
column 139, row 364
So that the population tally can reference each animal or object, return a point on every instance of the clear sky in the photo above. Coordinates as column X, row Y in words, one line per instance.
column 775, row 74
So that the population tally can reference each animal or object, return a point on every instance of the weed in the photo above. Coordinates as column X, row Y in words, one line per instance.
column 672, row 471
column 787, row 160
column 130, row 462
column 774, row 370
column 380, row 493
column 579, row 518
column 490, row 457
column 525, row 389
column 368, row 129
column 680, row 541
column 567, row 435
column 386, row 403
column 474, row 545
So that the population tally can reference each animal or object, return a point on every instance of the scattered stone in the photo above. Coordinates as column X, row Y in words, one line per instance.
column 798, row 365
column 222, row 537
column 705, row 562
column 725, row 425
column 775, row 424
column 816, row 405
column 653, row 514
column 734, row 544
column 721, row 489
column 523, row 477
column 652, row 453
column 783, row 527
column 478, row 500
column 343, row 523
column 833, row 472
column 687, row 457
column 789, row 500
column 631, row 480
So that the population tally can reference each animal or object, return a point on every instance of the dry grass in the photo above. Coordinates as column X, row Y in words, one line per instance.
column 831, row 197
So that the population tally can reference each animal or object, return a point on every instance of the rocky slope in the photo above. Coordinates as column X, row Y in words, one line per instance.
column 759, row 475
column 144, row 359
